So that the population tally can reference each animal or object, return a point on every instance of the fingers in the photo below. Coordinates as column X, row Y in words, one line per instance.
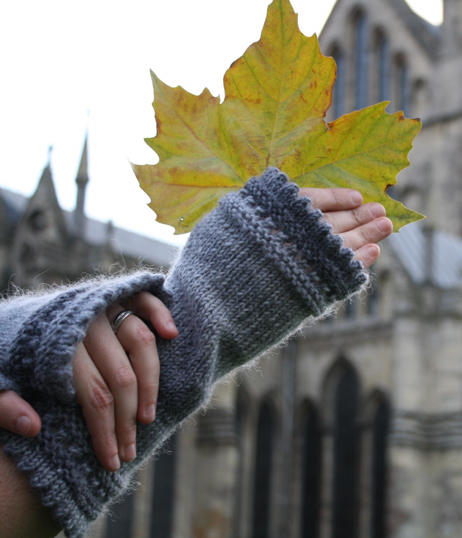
column 118, row 376
column 344, row 221
column 17, row 416
column 140, row 344
column 97, row 404
column 372, row 232
column 361, row 226
column 367, row 255
column 112, row 362
column 333, row 199
column 152, row 309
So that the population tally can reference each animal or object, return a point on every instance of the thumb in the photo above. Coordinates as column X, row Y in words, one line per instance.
column 17, row 416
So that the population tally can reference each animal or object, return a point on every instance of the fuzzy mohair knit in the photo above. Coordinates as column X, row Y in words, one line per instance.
column 251, row 272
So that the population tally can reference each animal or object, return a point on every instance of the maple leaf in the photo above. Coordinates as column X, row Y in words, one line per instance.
column 276, row 97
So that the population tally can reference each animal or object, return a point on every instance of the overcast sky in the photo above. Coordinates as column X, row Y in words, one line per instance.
column 60, row 60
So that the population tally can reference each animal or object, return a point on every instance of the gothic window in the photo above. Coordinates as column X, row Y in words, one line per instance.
column 360, row 60
column 384, row 295
column 351, row 309
column 26, row 265
column 412, row 197
column 419, row 97
column 242, row 407
column 311, row 475
column 373, row 300
column 380, row 428
column 37, row 220
column 119, row 524
column 346, row 455
column 163, row 496
column 402, row 97
column 382, row 67
column 263, row 471
column 27, row 254
column 338, row 95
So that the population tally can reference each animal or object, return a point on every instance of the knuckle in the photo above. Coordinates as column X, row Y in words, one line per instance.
column 127, row 429
column 100, row 396
column 364, row 234
column 357, row 219
column 144, row 336
column 124, row 377
column 105, row 440
column 151, row 387
column 337, row 196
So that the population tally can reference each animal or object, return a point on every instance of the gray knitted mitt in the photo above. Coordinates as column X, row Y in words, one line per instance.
column 252, row 271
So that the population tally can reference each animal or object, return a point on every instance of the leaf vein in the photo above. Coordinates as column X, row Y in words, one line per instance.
column 197, row 137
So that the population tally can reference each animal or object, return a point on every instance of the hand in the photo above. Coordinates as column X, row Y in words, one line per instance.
column 116, row 379
column 17, row 416
column 360, row 226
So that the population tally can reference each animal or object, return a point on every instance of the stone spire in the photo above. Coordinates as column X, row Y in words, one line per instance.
column 45, row 191
column 82, row 182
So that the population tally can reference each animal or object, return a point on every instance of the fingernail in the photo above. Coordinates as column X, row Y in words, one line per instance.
column 378, row 210
column 357, row 197
column 130, row 453
column 384, row 225
column 115, row 463
column 372, row 251
column 23, row 425
column 171, row 326
column 150, row 413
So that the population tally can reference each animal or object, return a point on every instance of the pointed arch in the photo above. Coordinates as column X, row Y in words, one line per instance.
column 339, row 90
column 243, row 409
column 331, row 380
column 243, row 404
column 263, row 469
column 382, row 65
column 378, row 416
column 379, row 295
column 163, row 491
column 402, row 87
column 380, row 301
column 360, row 57
column 310, row 458
column 343, row 392
column 372, row 300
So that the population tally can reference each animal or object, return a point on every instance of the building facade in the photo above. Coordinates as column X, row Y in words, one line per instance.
column 353, row 429
column 41, row 244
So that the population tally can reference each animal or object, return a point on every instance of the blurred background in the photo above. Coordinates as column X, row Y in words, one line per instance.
column 354, row 429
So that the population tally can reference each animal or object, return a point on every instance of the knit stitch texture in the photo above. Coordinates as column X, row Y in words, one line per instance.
column 251, row 272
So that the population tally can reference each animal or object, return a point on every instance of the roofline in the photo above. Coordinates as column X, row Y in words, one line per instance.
column 26, row 199
column 426, row 34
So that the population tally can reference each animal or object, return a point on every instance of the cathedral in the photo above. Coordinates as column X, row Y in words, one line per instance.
column 354, row 428
column 40, row 244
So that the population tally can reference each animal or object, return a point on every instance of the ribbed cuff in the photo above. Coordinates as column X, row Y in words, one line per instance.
column 7, row 384
column 295, row 238
column 60, row 461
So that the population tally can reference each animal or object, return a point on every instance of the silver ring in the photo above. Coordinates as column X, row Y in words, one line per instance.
column 119, row 319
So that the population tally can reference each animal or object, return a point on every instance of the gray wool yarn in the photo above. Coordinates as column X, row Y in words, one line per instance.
column 251, row 272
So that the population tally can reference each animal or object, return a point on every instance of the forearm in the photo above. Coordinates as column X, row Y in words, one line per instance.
column 22, row 514
column 251, row 272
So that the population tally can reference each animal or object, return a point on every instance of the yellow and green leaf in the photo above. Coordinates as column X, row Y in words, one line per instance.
column 276, row 97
